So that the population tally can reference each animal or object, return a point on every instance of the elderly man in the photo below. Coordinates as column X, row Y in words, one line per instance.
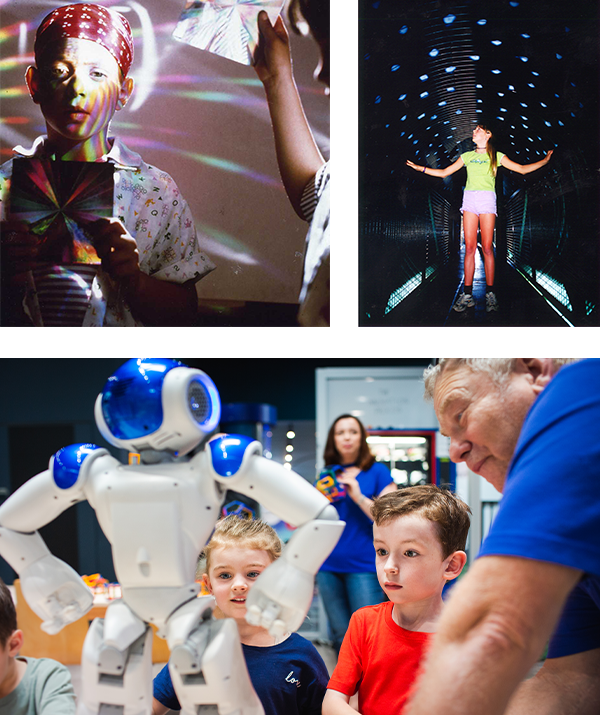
column 531, row 427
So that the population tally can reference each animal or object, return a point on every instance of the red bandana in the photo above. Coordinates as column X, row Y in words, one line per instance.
column 88, row 22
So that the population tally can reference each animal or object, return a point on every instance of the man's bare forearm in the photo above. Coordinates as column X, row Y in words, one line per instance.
column 493, row 629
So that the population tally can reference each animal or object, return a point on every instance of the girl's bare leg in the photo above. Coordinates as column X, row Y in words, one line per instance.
column 487, row 223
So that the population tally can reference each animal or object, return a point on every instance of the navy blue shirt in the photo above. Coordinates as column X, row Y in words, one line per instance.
column 354, row 552
column 290, row 678
column 550, row 510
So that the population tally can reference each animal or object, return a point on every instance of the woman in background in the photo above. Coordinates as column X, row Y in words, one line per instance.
column 347, row 580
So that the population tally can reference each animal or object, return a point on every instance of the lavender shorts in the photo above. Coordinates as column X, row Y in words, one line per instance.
column 479, row 202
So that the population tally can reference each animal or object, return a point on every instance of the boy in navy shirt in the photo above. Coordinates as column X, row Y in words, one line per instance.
column 289, row 677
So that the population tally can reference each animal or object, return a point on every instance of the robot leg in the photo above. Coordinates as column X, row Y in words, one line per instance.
column 209, row 671
column 117, row 665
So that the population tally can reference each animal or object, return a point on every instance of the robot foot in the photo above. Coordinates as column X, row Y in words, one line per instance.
column 106, row 693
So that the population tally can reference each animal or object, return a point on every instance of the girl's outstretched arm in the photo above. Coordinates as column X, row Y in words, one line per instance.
column 525, row 168
column 441, row 173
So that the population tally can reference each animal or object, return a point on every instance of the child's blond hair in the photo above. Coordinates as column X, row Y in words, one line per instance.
column 245, row 533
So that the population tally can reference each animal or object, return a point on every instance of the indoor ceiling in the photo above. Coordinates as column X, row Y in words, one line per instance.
column 430, row 71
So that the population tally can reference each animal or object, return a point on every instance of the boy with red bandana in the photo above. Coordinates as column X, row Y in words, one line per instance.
column 149, row 250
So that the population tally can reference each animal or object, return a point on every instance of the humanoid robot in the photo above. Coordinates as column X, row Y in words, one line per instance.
column 157, row 516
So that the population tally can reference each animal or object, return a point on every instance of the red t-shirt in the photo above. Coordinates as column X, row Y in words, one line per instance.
column 380, row 659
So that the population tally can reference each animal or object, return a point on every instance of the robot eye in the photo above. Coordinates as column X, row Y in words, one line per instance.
column 199, row 401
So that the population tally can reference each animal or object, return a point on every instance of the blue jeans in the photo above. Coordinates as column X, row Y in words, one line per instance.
column 344, row 593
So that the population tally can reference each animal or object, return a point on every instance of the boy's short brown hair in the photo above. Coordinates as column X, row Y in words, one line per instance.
column 445, row 509
column 246, row 533
column 8, row 614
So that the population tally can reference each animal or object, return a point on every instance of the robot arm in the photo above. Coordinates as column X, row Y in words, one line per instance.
column 282, row 594
column 55, row 592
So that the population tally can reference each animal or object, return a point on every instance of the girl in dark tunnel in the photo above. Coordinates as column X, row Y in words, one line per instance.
column 479, row 207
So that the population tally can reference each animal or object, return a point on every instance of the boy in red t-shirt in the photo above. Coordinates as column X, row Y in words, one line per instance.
column 419, row 534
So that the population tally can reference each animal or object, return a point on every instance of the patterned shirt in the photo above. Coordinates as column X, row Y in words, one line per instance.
column 314, row 296
column 150, row 206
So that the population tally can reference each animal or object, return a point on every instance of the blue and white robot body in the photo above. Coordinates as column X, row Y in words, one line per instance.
column 157, row 518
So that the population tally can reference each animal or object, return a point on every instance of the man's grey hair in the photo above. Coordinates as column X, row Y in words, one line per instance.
column 499, row 369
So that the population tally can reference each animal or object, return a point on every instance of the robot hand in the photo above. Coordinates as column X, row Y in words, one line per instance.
column 282, row 594
column 280, row 598
column 55, row 592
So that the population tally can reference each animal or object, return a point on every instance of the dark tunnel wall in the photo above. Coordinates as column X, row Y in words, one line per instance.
column 428, row 73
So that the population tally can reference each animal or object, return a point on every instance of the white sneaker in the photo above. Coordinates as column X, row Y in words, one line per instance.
column 490, row 302
column 465, row 300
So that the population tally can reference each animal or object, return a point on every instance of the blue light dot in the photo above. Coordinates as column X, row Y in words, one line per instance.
column 403, row 30
column 395, row 68
column 450, row 69
column 503, row 110
column 514, row 3
column 403, row 133
column 377, row 100
column 496, row 42
column 423, row 77
column 449, row 19
column 403, row 118
column 573, row 84
column 523, row 59
column 481, row 22
column 459, row 111
column 479, row 111
column 480, row 101
column 479, row 86
column 434, row 53
column 442, row 104
column 501, row 94
column 512, row 89
column 548, row 124
column 544, row 105
column 420, row 116
column 525, row 118
column 525, row 36
column 433, row 116
column 572, row 114
column 561, row 124
column 557, row 96
column 523, row 104
column 424, row 94
column 500, row 118
column 535, row 74
column 401, row 97
column 368, row 56
column 474, row 57
column 449, row 89
column 558, row 57
column 496, row 71
column 530, row 84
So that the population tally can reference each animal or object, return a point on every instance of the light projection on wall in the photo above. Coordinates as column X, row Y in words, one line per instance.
column 204, row 120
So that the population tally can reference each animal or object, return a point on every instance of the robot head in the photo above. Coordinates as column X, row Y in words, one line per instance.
column 157, row 404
